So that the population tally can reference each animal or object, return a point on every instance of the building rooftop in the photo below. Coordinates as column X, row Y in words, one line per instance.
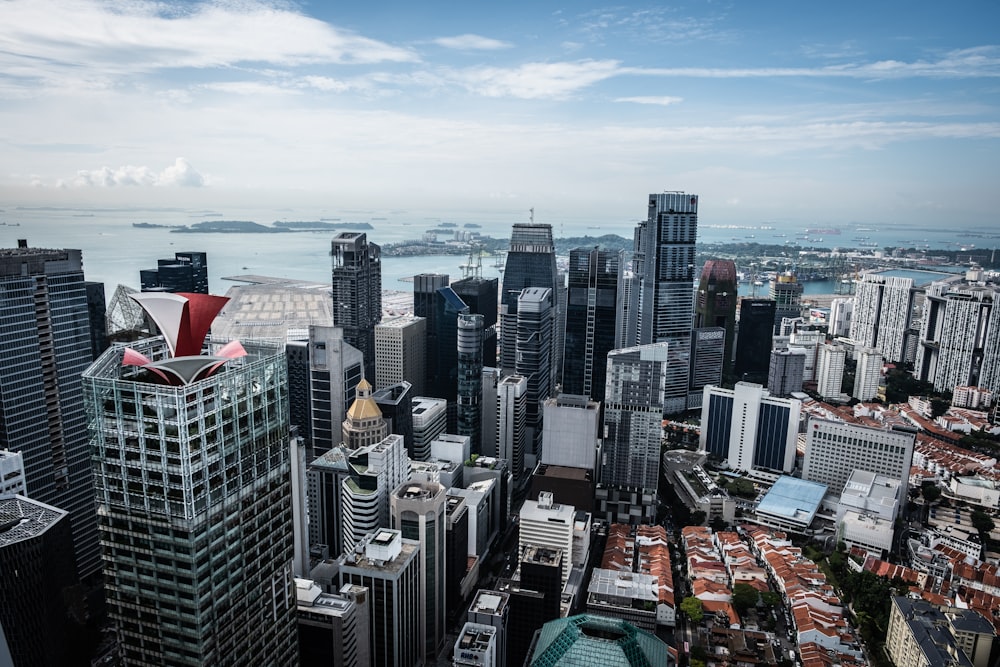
column 273, row 308
column 22, row 519
column 795, row 500
column 595, row 640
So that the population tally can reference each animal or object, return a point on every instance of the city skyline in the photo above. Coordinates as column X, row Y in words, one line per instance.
column 769, row 113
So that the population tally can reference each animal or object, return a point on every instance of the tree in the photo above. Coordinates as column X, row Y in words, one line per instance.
column 930, row 492
column 691, row 606
column 982, row 522
column 697, row 518
column 939, row 406
column 771, row 599
column 718, row 524
column 744, row 597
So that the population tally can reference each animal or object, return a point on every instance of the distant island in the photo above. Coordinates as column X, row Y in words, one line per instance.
column 323, row 225
column 471, row 225
column 249, row 227
column 150, row 225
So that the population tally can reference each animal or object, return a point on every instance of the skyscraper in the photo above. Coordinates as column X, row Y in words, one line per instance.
column 784, row 376
column 364, row 425
column 470, row 379
column 480, row 295
column 512, row 430
column 531, row 262
column 192, row 463
column 748, row 428
column 708, row 351
column 400, row 352
column 867, row 374
column 425, row 298
column 830, row 371
column 396, row 404
column 534, row 358
column 442, row 377
column 374, row 471
column 591, row 316
column 357, row 292
column 753, row 339
column 786, row 292
column 881, row 314
column 418, row 512
column 430, row 419
column 664, row 260
column 186, row 272
column 334, row 372
column 45, row 346
column 715, row 303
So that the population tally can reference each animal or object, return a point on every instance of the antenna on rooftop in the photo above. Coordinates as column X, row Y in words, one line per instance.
column 531, row 215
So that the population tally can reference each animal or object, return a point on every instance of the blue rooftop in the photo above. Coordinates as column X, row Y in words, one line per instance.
column 793, row 499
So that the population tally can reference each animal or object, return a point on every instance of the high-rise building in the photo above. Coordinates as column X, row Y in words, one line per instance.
column 786, row 292
column 807, row 342
column 488, row 438
column 591, row 316
column 548, row 524
column 430, row 419
column 12, row 482
column 633, row 412
column 830, row 371
column 470, row 379
column 715, row 303
column 481, row 295
column 867, row 374
column 400, row 351
column 477, row 646
column 45, row 347
column 325, row 477
column 881, row 315
column 186, row 272
column 570, row 431
column 357, row 292
column 36, row 574
column 396, row 404
column 531, row 262
column 664, row 259
column 425, row 305
column 784, row 377
column 456, row 549
column 388, row 565
column 921, row 633
column 364, row 425
column 707, row 361
column 960, row 337
column 512, row 429
column 373, row 472
column 333, row 627
column 841, row 316
column 753, row 339
column 748, row 428
column 418, row 512
column 627, row 318
column 835, row 449
column 534, row 358
column 192, row 461
column 491, row 608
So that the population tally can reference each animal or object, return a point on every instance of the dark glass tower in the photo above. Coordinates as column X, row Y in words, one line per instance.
column 480, row 295
column 470, row 379
column 535, row 313
column 591, row 310
column 186, row 272
column 715, row 304
column 753, row 340
column 664, row 262
column 357, row 292
column 531, row 262
column 45, row 345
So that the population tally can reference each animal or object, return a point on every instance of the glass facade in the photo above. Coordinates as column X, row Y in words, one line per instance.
column 591, row 314
column 194, row 495
column 470, row 379
column 531, row 262
column 357, row 292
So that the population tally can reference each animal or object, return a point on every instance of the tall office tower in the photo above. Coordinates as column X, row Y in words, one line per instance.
column 400, row 352
column 492, row 608
column 456, row 549
column 664, row 259
column 333, row 627
column 808, row 342
column 627, row 317
column 470, row 379
column 560, row 299
column 786, row 292
column 841, row 315
column 512, row 424
column 541, row 570
column 633, row 411
column 867, row 374
column 442, row 377
column 335, row 369
column 534, row 358
column 753, row 339
column 480, row 295
column 425, row 305
column 835, row 449
column 364, row 425
column 186, row 272
column 418, row 512
column 881, row 317
column 98, row 314
column 960, row 338
column 174, row 443
column 546, row 523
column 715, row 303
column 36, row 573
column 477, row 646
column 430, row 419
column 830, row 371
column 784, row 377
column 374, row 471
column 396, row 404
column 325, row 478
column 749, row 428
column 531, row 262
column 708, row 351
column 388, row 565
column 357, row 292
column 591, row 316
column 570, row 431
column 488, row 436
column 45, row 347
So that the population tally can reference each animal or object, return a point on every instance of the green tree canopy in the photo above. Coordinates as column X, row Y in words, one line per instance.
column 691, row 606
column 744, row 597
column 981, row 521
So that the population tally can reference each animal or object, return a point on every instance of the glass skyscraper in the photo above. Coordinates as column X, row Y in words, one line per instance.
column 531, row 262
column 357, row 292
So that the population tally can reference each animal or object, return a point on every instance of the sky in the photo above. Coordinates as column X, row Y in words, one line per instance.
column 824, row 113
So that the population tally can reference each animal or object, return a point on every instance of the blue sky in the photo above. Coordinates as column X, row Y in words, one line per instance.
column 787, row 111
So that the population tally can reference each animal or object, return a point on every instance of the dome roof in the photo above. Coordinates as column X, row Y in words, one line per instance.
column 364, row 406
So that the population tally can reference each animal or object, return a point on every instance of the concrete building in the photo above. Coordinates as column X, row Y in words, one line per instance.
column 707, row 361
column 430, row 419
column 12, row 481
column 186, row 272
column 357, row 292
column 396, row 404
column 883, row 307
column 170, row 453
column 922, row 635
column 400, row 352
column 477, row 646
column 841, row 316
column 490, row 608
column 570, row 431
column 374, row 472
column 545, row 523
column 512, row 424
column 333, row 627
column 785, row 373
column 388, row 565
column 325, row 477
column 364, row 425
column 867, row 374
column 748, row 428
column 786, row 292
column 830, row 372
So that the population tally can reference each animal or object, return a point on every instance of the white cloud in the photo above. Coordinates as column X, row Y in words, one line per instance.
column 535, row 80
column 664, row 100
column 180, row 173
column 470, row 42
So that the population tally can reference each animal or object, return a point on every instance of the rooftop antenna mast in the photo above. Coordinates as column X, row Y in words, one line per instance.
column 531, row 215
